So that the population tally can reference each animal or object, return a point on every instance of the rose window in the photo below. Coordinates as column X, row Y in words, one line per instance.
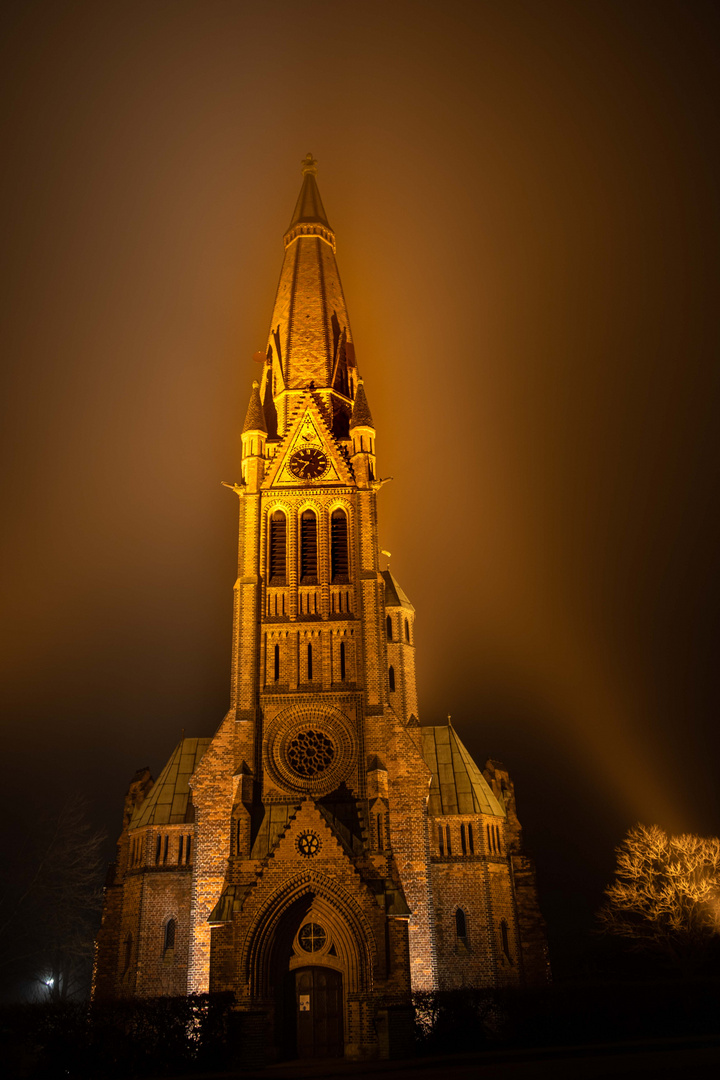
column 310, row 753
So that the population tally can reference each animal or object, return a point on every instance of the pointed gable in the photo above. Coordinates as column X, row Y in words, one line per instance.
column 309, row 431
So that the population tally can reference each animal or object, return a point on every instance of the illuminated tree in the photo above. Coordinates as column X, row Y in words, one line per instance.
column 666, row 895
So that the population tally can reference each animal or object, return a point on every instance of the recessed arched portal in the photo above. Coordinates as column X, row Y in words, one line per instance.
column 311, row 950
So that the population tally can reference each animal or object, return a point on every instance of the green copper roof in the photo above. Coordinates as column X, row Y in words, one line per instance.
column 169, row 800
column 394, row 594
column 457, row 785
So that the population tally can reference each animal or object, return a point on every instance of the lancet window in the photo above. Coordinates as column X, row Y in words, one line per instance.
column 278, row 548
column 308, row 548
column 339, row 546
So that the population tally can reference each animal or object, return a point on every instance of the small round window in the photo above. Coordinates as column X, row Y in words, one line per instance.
column 312, row 937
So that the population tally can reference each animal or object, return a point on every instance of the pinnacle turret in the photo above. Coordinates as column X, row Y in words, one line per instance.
column 361, row 415
column 255, row 415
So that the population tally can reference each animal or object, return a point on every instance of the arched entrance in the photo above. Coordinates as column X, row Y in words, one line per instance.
column 318, row 998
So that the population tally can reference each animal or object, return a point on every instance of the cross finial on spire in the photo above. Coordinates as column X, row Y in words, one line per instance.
column 309, row 165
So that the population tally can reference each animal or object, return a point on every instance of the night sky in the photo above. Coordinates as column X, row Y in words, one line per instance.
column 527, row 203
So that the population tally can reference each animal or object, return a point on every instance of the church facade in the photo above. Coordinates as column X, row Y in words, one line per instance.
column 324, row 854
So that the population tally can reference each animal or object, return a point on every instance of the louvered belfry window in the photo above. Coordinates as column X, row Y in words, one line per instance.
column 278, row 548
column 339, row 543
column 308, row 548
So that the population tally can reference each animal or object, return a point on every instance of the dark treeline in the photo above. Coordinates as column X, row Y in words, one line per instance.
column 203, row 1033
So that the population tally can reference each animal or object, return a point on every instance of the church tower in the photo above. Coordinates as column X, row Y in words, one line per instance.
column 323, row 855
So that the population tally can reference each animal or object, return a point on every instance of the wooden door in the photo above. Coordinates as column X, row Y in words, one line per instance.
column 319, row 1006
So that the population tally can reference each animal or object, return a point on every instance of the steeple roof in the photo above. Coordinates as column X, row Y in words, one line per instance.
column 457, row 785
column 169, row 800
column 394, row 594
column 309, row 207
column 309, row 316
column 361, row 415
column 255, row 415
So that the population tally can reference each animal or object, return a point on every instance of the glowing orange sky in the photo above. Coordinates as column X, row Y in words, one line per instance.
column 526, row 202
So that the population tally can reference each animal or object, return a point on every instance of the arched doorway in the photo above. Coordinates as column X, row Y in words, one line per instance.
column 318, row 998
column 312, row 925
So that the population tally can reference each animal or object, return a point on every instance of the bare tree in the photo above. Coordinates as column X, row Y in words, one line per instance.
column 50, row 928
column 666, row 895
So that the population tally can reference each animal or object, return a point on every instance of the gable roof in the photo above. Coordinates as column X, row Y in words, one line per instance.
column 169, row 800
column 457, row 785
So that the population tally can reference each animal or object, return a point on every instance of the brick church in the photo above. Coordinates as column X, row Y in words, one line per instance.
column 324, row 854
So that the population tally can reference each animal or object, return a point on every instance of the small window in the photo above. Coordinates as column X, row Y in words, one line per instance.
column 277, row 663
column 170, row 926
column 471, row 841
column 505, row 939
column 309, row 664
column 158, row 849
column 128, row 952
column 342, row 661
column 463, row 841
column 165, row 849
column 441, row 839
column 380, row 842
column 407, row 630
column 460, row 924
column 447, row 840
column 391, row 678
column 180, row 849
column 388, row 623
column 188, row 849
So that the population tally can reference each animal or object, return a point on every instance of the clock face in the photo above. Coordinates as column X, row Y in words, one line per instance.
column 308, row 463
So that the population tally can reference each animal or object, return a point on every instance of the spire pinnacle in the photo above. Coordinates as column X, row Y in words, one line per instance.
column 309, row 165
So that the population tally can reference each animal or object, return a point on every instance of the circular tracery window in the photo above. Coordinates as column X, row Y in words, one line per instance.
column 311, row 937
column 310, row 753
column 308, row 844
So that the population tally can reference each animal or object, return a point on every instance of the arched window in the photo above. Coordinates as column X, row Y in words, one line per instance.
column 342, row 661
column 471, row 841
column 308, row 548
column 180, row 849
column 460, row 924
column 339, row 546
column 309, row 669
column 407, row 630
column 277, row 663
column 448, row 839
column 169, row 942
column 441, row 839
column 158, row 849
column 388, row 623
column 463, row 841
column 278, row 548
column 128, row 952
column 391, row 677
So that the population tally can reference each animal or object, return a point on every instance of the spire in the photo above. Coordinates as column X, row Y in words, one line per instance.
column 361, row 415
column 255, row 415
column 309, row 316
column 309, row 208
